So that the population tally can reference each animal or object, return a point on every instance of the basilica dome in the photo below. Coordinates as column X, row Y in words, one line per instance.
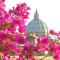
column 36, row 26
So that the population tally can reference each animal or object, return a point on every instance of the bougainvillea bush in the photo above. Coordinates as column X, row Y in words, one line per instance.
column 13, row 36
column 12, row 29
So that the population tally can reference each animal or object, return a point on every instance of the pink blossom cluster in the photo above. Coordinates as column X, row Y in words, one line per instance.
column 12, row 29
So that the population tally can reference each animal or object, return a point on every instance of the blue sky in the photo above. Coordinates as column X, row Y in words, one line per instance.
column 49, row 11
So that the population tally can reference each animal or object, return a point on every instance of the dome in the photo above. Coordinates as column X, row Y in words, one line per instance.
column 36, row 26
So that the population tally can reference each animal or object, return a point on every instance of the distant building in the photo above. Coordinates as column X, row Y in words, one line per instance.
column 37, row 27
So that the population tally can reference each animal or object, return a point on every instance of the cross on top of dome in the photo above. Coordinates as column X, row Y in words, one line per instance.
column 36, row 15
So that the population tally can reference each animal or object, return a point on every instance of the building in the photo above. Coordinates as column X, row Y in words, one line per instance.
column 37, row 27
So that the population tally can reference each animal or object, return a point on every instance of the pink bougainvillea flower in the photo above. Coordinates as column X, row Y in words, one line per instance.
column 52, row 31
column 4, row 35
column 5, row 58
column 20, row 57
column 42, row 44
column 28, row 8
column 2, row 0
column 22, row 29
column 16, row 48
column 57, row 55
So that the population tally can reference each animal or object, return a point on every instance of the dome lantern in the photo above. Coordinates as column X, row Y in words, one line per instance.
column 36, row 15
